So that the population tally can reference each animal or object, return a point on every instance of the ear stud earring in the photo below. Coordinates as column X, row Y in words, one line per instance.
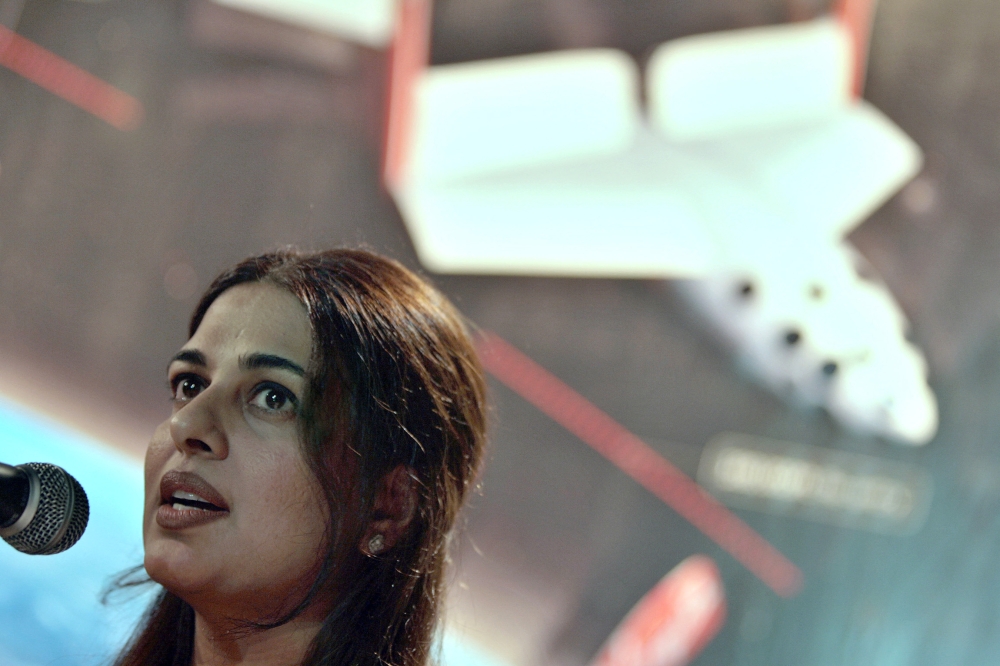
column 376, row 544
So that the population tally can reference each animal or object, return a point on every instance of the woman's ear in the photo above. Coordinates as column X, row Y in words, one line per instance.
column 394, row 509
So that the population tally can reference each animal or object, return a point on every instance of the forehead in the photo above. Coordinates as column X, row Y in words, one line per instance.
column 256, row 317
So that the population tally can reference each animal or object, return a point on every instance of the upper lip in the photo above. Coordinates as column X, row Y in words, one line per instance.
column 174, row 481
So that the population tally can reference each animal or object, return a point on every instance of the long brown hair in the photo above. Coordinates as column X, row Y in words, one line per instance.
column 393, row 379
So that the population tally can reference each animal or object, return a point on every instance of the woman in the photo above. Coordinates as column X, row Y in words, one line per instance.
column 328, row 422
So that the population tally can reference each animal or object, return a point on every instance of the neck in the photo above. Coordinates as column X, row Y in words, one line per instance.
column 215, row 644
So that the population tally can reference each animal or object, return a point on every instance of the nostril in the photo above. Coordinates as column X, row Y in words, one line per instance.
column 198, row 444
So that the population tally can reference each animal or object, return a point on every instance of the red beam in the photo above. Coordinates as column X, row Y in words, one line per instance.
column 409, row 55
column 634, row 457
column 856, row 15
column 63, row 78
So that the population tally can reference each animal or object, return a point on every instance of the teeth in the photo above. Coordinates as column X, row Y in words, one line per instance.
column 180, row 494
column 185, row 507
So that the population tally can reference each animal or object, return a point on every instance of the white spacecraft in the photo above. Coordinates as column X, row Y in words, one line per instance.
column 734, row 165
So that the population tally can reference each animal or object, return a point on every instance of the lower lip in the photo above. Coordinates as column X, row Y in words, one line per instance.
column 170, row 518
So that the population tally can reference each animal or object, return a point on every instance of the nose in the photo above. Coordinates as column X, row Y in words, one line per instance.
column 196, row 428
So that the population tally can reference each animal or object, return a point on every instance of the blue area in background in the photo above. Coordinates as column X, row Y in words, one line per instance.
column 49, row 604
column 50, row 613
column 458, row 652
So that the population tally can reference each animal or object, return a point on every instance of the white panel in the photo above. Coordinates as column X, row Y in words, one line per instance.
column 496, row 115
column 721, row 83
column 629, row 215
column 369, row 22
column 662, row 209
column 827, row 177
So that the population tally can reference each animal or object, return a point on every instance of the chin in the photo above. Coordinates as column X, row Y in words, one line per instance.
column 174, row 566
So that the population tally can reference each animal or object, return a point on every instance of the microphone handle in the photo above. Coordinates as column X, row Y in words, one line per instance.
column 15, row 489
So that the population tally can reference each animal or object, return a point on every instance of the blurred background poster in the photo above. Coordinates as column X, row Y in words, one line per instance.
column 733, row 264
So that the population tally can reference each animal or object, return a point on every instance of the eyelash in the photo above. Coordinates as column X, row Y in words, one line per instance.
column 287, row 395
column 178, row 381
column 175, row 383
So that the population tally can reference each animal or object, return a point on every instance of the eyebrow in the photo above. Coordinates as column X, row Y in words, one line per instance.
column 192, row 356
column 248, row 362
column 256, row 361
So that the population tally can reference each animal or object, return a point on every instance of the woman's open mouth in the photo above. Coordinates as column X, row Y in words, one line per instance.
column 187, row 500
column 183, row 500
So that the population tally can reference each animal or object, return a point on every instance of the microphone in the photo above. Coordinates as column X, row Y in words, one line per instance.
column 43, row 510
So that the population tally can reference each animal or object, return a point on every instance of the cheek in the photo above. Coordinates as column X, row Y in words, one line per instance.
column 294, row 508
column 157, row 454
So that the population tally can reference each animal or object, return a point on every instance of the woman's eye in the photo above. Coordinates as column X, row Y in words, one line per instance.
column 186, row 387
column 273, row 398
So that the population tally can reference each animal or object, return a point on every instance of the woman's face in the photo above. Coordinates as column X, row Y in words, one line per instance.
column 234, row 520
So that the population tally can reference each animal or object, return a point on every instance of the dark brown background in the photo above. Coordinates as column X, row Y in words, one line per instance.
column 106, row 238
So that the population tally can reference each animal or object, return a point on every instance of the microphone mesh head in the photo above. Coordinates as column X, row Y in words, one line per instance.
column 61, row 516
